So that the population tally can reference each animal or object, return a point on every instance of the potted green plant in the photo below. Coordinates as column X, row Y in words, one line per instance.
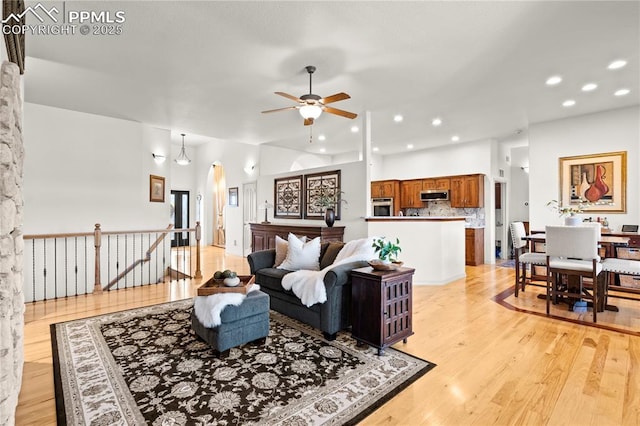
column 328, row 200
column 387, row 254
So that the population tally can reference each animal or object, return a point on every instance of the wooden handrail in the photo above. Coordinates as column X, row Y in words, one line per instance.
column 146, row 258
column 88, row 234
column 157, row 242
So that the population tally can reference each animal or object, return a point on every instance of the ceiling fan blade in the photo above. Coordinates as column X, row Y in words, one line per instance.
column 335, row 98
column 279, row 109
column 308, row 121
column 340, row 112
column 288, row 96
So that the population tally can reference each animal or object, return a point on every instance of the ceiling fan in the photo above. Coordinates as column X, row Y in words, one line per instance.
column 311, row 106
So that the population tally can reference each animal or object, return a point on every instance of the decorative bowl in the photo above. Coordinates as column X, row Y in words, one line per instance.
column 379, row 265
column 231, row 282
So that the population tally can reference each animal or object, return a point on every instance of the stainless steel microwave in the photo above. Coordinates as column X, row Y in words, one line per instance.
column 434, row 195
column 382, row 206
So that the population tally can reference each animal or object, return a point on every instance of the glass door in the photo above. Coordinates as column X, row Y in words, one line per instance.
column 180, row 207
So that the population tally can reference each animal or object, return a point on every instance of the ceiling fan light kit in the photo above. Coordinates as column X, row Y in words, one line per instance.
column 310, row 106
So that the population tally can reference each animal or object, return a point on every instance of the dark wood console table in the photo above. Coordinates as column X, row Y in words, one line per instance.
column 263, row 235
column 381, row 306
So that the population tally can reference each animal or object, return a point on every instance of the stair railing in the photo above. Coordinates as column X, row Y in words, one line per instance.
column 60, row 265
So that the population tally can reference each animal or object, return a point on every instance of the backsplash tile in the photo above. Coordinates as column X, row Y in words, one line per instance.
column 475, row 216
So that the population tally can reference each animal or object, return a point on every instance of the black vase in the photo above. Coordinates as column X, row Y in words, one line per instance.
column 329, row 217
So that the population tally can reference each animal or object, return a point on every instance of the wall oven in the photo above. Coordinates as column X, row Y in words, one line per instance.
column 382, row 206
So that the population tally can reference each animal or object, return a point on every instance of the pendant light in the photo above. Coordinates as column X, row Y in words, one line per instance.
column 182, row 159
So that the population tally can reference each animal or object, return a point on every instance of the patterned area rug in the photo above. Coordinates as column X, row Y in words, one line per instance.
column 146, row 366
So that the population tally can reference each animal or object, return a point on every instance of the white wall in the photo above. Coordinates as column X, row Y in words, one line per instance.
column 274, row 160
column 457, row 159
column 609, row 131
column 519, row 185
column 81, row 169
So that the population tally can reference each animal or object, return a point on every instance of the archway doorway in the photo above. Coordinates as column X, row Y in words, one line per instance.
column 219, row 204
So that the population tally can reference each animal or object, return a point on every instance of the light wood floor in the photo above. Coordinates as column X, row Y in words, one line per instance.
column 495, row 365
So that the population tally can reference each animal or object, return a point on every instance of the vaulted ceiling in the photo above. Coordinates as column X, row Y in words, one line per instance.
column 209, row 68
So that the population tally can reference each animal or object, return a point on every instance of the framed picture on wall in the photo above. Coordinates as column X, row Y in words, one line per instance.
column 322, row 191
column 156, row 189
column 233, row 196
column 600, row 180
column 287, row 194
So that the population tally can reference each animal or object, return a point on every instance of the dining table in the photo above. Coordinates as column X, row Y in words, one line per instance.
column 608, row 244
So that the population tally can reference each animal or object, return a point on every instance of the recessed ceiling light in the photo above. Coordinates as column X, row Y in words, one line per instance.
column 553, row 80
column 455, row 138
column 568, row 103
column 323, row 150
column 398, row 118
column 436, row 121
column 619, row 63
column 589, row 87
column 354, row 129
column 376, row 149
column 622, row 92
column 322, row 137
column 410, row 146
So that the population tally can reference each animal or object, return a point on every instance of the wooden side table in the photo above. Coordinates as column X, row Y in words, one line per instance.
column 381, row 306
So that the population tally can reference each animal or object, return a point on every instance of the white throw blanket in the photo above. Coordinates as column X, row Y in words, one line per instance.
column 209, row 308
column 309, row 285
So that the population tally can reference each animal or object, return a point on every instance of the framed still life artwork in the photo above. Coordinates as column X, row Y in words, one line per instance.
column 288, row 197
column 597, row 180
column 156, row 189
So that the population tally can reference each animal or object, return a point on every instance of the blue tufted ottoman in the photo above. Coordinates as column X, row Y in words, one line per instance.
column 241, row 324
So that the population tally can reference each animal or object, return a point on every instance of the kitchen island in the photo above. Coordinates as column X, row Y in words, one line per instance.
column 434, row 246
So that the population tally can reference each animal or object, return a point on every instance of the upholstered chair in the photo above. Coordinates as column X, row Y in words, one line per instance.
column 522, row 256
column 572, row 251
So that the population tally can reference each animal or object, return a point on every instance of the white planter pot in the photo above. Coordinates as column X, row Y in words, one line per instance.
column 572, row 221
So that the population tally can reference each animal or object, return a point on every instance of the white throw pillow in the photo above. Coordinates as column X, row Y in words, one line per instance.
column 302, row 255
column 282, row 248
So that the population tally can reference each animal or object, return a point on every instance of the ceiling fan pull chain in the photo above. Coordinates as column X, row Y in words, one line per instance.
column 311, row 134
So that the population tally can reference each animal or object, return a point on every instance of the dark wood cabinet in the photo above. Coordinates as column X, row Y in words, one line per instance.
column 263, row 235
column 381, row 306
column 474, row 246
column 467, row 191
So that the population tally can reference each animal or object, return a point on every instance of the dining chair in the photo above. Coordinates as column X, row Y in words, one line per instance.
column 628, row 268
column 572, row 251
column 522, row 256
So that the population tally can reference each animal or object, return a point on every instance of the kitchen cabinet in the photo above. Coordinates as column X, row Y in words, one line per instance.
column 443, row 183
column 467, row 191
column 263, row 235
column 474, row 246
column 438, row 184
column 385, row 188
column 428, row 184
column 381, row 306
column 410, row 194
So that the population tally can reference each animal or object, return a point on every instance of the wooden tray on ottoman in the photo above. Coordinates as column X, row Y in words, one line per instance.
column 214, row 286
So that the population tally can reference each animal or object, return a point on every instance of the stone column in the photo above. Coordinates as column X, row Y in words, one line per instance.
column 11, row 243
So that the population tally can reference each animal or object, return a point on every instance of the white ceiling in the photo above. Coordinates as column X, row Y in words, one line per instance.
column 209, row 68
